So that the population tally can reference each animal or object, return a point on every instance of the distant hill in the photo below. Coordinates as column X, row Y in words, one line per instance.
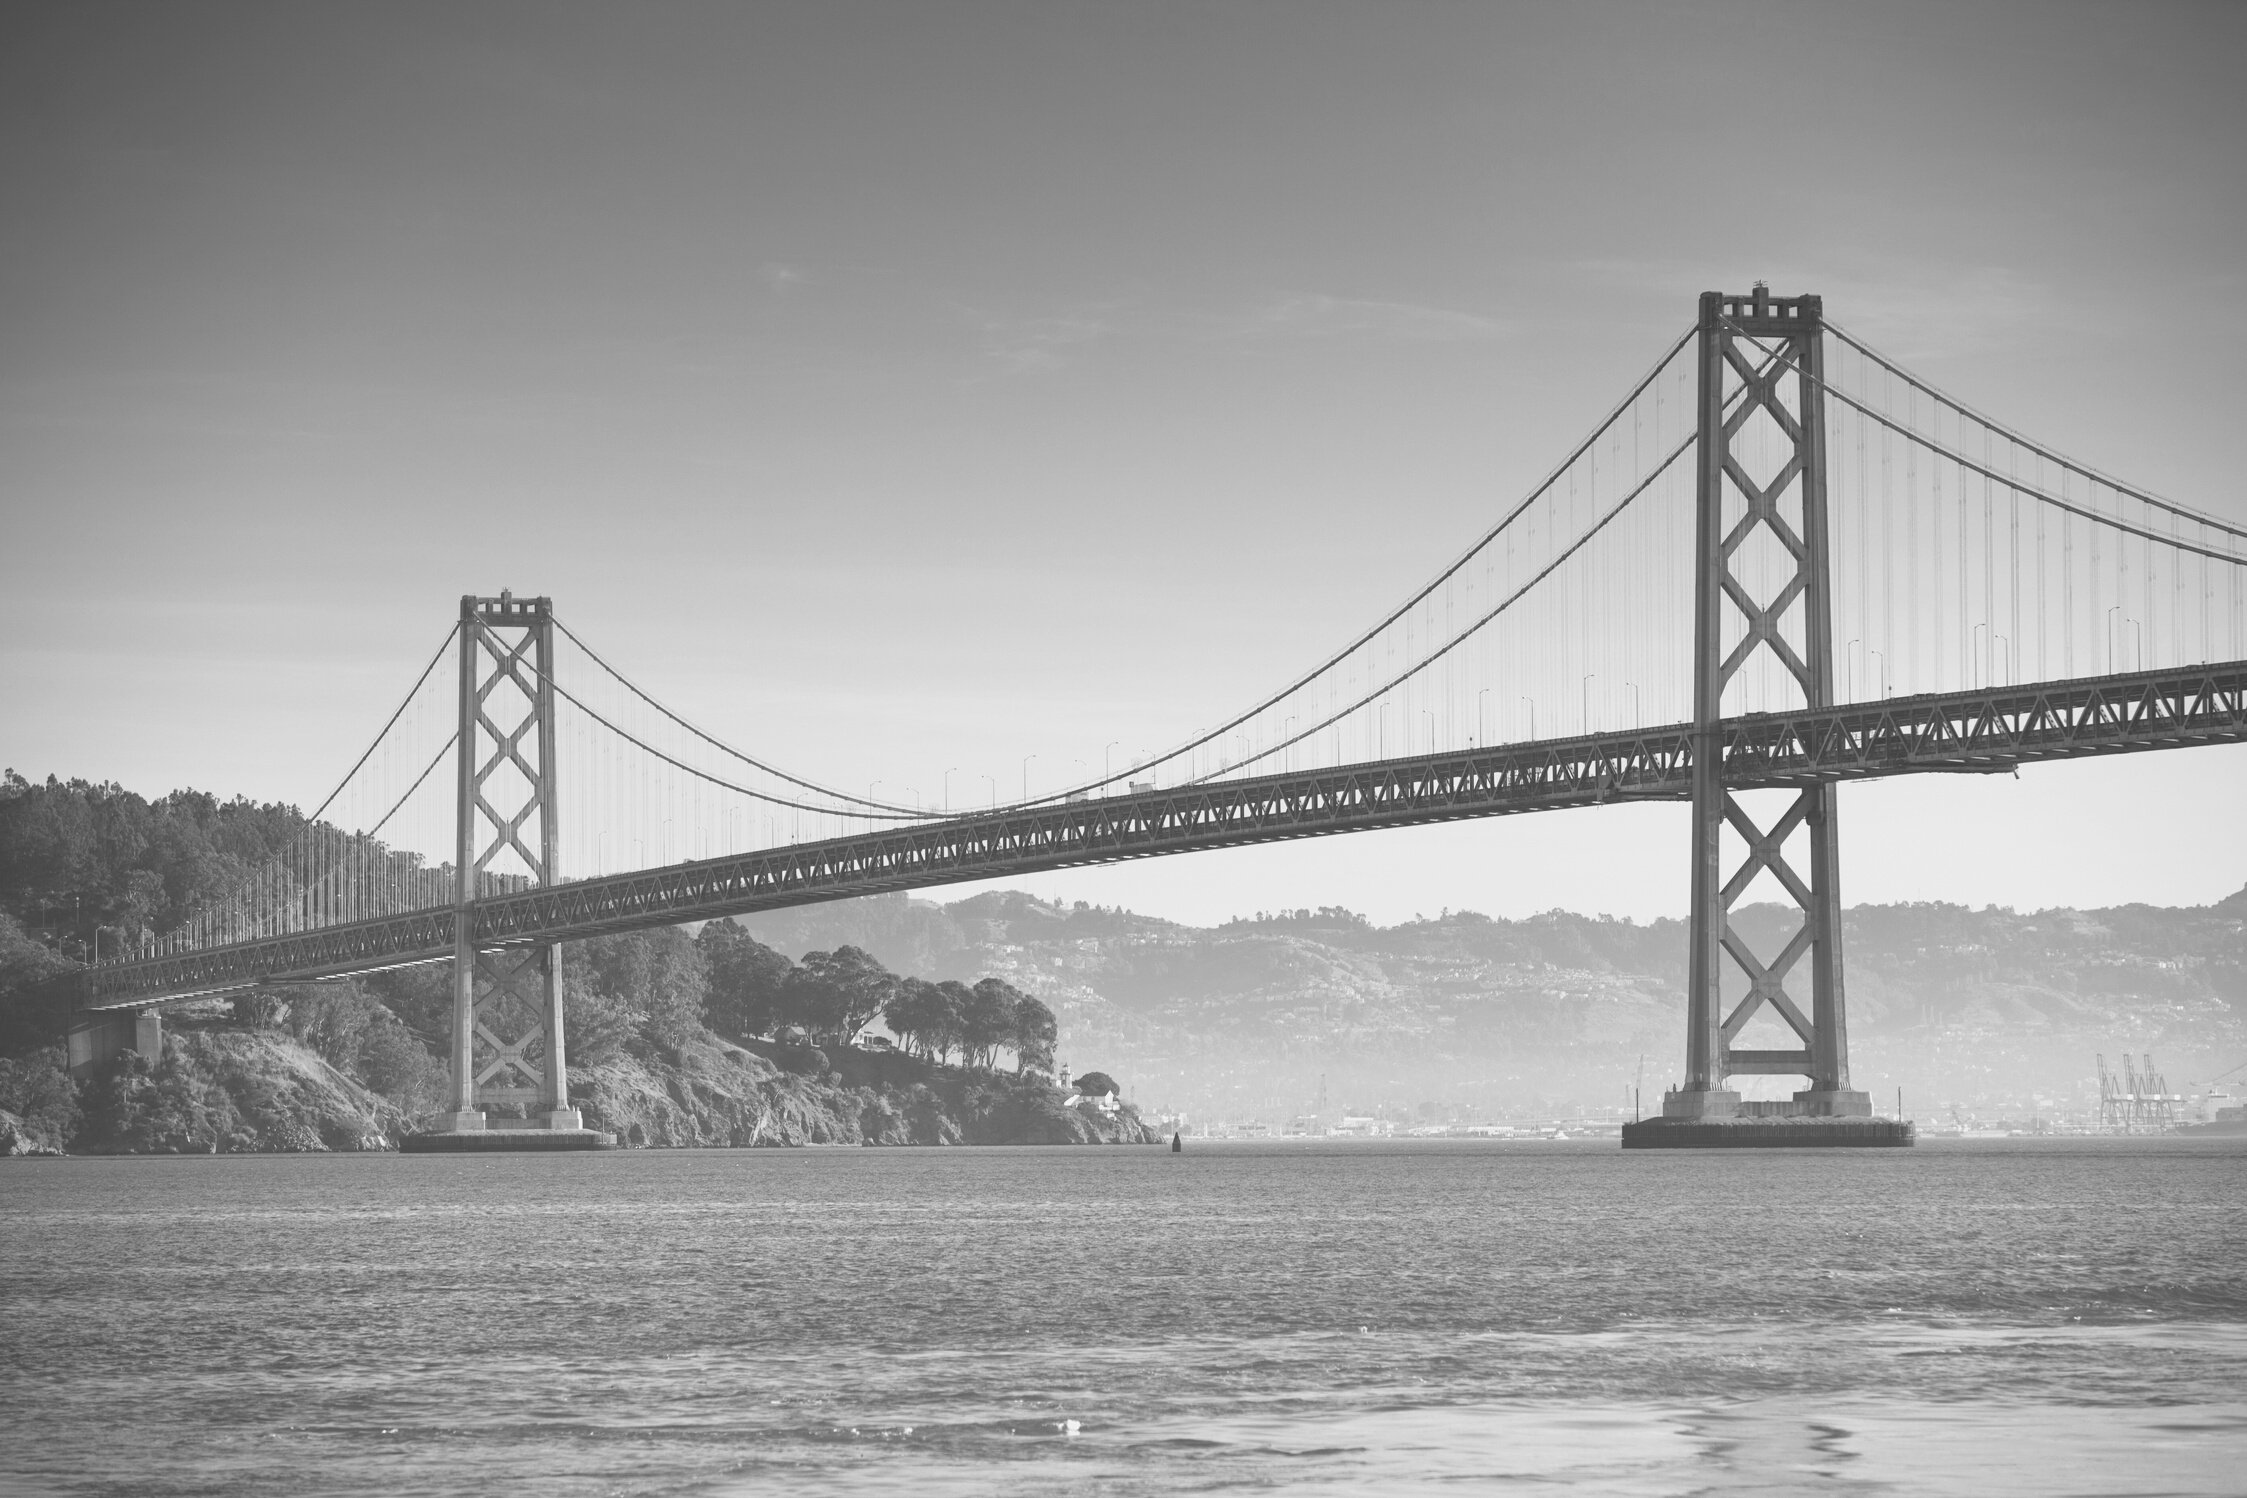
column 1464, row 1015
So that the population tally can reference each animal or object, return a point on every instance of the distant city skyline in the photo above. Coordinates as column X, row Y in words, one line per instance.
column 899, row 390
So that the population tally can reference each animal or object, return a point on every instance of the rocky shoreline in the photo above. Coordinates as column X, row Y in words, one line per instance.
column 239, row 1090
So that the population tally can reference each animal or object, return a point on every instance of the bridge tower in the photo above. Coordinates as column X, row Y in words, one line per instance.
column 1762, row 490
column 507, row 1043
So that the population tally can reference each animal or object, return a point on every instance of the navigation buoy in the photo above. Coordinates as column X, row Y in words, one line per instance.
column 1177, row 1143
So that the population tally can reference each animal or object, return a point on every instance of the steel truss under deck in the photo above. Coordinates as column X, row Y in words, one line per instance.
column 1989, row 730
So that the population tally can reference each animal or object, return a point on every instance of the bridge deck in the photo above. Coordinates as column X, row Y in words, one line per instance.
column 1989, row 730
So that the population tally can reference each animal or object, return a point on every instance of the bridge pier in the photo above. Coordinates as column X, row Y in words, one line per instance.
column 102, row 1036
column 1782, row 510
column 507, row 1048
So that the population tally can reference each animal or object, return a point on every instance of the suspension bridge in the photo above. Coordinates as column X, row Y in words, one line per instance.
column 1781, row 562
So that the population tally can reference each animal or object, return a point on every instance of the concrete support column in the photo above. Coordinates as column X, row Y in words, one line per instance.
column 463, row 1114
column 557, row 1112
column 100, row 1037
column 1703, row 1094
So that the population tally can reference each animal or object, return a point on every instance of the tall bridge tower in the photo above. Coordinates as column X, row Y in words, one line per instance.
column 1761, row 363
column 507, row 1047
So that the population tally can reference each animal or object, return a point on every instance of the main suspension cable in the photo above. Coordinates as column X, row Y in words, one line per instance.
column 1970, row 465
column 1402, row 609
column 885, row 814
column 724, row 747
column 2083, row 470
column 881, row 810
column 1461, row 638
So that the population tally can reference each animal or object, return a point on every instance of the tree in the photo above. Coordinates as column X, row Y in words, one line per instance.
column 332, row 1018
column 1031, row 1029
column 987, row 1020
column 837, row 992
column 393, row 1061
column 31, row 1013
column 747, row 981
column 37, row 1090
column 1097, row 1084
column 955, row 998
column 916, row 1015
column 654, row 981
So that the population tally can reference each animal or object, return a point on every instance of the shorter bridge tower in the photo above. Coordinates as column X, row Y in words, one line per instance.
column 507, row 1045
column 1761, row 363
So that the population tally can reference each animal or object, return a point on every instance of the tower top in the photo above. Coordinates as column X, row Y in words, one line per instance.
column 1760, row 312
column 505, row 609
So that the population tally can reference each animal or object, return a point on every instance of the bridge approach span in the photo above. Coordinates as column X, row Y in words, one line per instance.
column 1990, row 730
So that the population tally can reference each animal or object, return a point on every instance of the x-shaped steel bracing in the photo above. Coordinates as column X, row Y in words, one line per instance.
column 507, row 748
column 510, row 988
column 1767, row 984
column 1763, row 620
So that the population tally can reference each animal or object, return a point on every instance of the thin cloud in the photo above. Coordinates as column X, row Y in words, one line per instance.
column 1937, row 313
column 1041, row 343
column 781, row 278
column 1311, row 315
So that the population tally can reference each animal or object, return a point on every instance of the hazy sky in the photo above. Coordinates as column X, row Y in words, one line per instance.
column 904, row 387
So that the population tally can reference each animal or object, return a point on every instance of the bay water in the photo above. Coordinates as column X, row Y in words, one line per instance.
column 2032, row 1316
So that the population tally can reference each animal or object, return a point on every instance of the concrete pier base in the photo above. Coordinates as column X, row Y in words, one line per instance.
column 1768, row 1131
column 489, row 1141
column 98, row 1038
column 1715, row 1102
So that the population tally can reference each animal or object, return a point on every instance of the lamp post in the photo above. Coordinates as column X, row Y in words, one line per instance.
column 1026, row 775
column 948, row 774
